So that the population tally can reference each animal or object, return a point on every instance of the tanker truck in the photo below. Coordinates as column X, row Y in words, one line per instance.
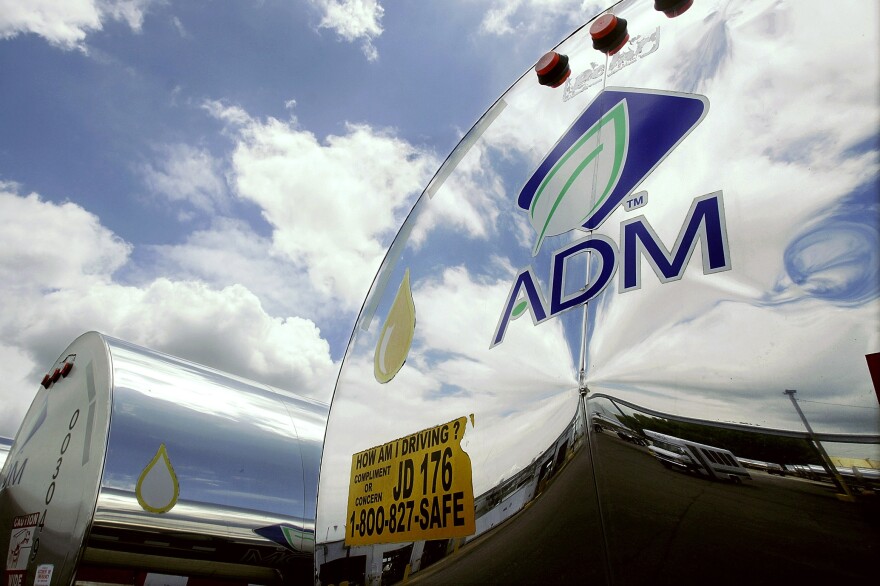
column 137, row 467
column 670, row 220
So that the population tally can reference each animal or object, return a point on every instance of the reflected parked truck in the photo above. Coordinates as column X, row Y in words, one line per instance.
column 711, row 461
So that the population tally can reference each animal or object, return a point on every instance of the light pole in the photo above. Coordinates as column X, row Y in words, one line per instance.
column 826, row 461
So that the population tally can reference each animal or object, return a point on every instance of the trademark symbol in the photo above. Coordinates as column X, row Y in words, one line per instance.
column 636, row 201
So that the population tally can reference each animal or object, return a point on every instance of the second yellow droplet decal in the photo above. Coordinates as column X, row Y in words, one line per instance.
column 397, row 334
column 157, row 489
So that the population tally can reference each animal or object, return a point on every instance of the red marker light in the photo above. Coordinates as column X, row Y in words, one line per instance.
column 672, row 8
column 552, row 69
column 56, row 375
column 65, row 370
column 609, row 34
column 603, row 26
column 47, row 380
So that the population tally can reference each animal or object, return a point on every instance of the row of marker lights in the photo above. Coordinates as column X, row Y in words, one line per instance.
column 60, row 372
column 609, row 35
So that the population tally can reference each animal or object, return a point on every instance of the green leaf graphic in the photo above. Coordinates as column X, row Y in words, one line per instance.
column 565, row 199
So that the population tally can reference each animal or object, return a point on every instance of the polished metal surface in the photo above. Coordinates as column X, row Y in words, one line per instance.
column 52, row 475
column 616, row 285
column 190, row 471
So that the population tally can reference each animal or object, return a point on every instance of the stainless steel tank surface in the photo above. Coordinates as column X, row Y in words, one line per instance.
column 627, row 333
column 133, row 466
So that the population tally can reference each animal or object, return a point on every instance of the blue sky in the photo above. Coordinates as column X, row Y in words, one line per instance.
column 220, row 180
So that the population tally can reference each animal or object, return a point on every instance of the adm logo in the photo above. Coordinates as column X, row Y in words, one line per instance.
column 621, row 137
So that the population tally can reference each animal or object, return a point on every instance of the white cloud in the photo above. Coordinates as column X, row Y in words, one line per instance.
column 230, row 252
column 232, row 115
column 73, row 250
column 225, row 328
column 62, row 285
column 61, row 23
column 334, row 205
column 67, row 23
column 532, row 355
column 467, row 202
column 16, row 366
column 507, row 17
column 129, row 11
column 188, row 175
column 497, row 19
column 353, row 20
column 178, row 25
column 703, row 360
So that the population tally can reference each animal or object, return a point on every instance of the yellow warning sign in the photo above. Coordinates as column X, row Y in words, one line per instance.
column 413, row 488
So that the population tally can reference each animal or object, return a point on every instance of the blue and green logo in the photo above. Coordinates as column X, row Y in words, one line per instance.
column 609, row 150
column 621, row 137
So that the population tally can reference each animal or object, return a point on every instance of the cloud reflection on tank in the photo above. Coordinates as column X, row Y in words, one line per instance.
column 645, row 306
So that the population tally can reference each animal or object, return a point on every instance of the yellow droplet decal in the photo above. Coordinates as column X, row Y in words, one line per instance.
column 157, row 489
column 397, row 334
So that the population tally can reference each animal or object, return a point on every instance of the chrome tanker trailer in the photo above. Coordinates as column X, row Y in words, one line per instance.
column 670, row 228
column 135, row 467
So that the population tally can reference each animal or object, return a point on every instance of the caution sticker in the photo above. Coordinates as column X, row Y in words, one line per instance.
column 413, row 488
column 21, row 545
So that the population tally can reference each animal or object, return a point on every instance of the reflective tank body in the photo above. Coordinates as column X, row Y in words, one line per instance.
column 135, row 463
column 628, row 332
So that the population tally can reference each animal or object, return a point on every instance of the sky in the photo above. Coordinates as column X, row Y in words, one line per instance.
column 221, row 180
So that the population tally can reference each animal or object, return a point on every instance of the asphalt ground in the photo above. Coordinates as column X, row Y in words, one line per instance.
column 668, row 527
column 676, row 527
